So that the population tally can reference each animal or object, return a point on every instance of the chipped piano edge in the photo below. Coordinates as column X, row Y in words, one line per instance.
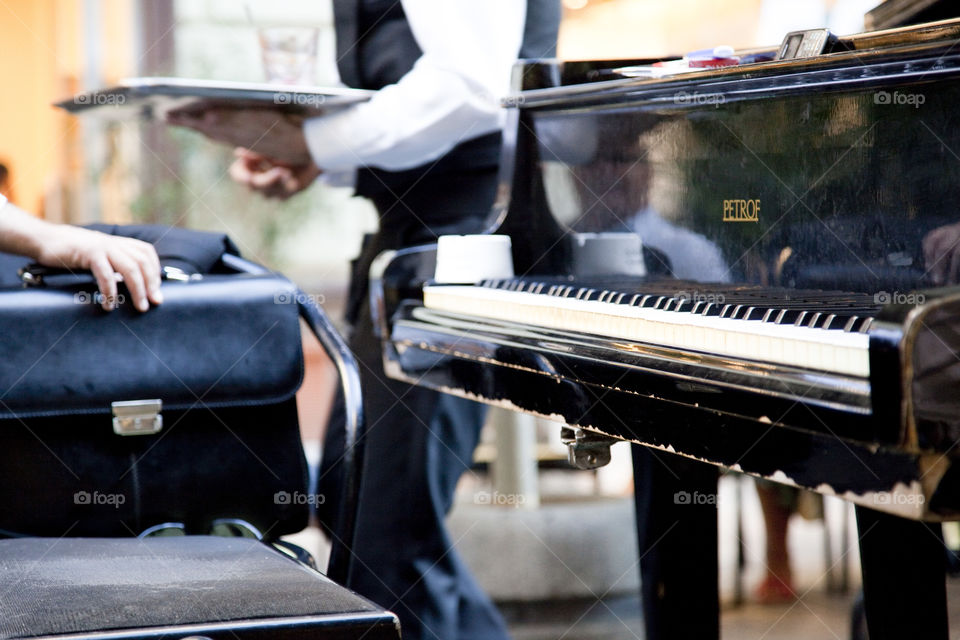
column 913, row 498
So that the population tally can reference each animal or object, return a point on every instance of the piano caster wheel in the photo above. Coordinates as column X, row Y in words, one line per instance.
column 586, row 449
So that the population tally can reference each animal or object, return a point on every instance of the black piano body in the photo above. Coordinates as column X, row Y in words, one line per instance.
column 816, row 194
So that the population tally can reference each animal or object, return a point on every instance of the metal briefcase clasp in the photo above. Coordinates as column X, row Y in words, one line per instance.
column 137, row 417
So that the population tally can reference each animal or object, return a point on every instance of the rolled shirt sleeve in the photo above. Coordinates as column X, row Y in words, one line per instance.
column 451, row 95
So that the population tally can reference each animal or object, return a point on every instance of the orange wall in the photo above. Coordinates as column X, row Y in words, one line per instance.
column 41, row 61
column 30, row 57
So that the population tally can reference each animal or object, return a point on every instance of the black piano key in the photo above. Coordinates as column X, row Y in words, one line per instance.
column 852, row 323
column 787, row 316
column 833, row 322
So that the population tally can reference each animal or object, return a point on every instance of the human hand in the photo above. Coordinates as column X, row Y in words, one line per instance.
column 108, row 257
column 941, row 254
column 268, row 132
column 270, row 178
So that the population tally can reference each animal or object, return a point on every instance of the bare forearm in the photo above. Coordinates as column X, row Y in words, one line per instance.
column 21, row 233
column 60, row 245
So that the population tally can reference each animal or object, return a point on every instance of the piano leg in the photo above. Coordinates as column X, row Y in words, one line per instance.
column 904, row 576
column 677, row 537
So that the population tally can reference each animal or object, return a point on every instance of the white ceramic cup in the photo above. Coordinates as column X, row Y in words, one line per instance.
column 470, row 259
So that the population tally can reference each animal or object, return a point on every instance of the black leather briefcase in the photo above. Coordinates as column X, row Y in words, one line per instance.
column 195, row 586
column 112, row 423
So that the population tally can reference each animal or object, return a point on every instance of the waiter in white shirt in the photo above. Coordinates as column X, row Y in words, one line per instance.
column 425, row 149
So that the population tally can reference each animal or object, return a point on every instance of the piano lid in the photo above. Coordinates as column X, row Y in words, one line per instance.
column 837, row 172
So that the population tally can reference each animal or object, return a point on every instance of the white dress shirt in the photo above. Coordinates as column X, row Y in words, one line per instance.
column 451, row 95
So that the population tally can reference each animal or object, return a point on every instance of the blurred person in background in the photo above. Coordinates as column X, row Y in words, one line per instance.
column 425, row 150
column 6, row 185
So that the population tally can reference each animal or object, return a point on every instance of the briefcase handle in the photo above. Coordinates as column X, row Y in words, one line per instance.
column 35, row 275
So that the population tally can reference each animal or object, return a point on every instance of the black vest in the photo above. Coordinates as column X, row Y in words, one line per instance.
column 375, row 48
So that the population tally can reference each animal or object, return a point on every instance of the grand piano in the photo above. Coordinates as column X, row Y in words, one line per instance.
column 752, row 266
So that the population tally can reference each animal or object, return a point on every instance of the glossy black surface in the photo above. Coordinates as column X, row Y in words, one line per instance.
column 837, row 174
column 849, row 188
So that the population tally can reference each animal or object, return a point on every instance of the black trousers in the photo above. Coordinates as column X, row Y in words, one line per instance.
column 418, row 442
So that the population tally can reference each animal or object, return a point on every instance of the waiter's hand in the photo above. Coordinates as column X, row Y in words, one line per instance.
column 268, row 132
column 269, row 177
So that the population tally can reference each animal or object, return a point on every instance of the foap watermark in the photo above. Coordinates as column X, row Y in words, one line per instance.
column 298, row 297
column 899, row 499
column 899, row 98
column 699, row 99
column 96, row 498
column 100, row 99
column 899, row 297
column 297, row 497
column 509, row 100
column 299, row 99
column 498, row 499
column 97, row 298
column 696, row 498
column 708, row 297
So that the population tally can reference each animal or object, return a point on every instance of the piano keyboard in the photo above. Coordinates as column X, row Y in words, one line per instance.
column 818, row 330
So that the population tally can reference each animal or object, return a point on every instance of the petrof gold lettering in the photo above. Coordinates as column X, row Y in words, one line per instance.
column 739, row 210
